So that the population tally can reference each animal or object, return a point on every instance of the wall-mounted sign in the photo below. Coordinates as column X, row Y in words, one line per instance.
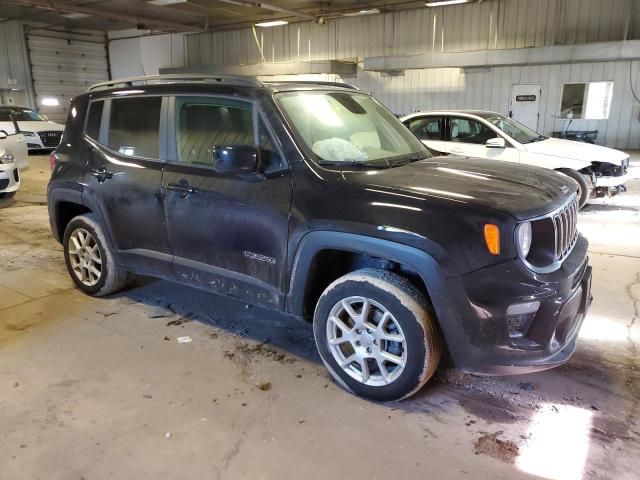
column 525, row 98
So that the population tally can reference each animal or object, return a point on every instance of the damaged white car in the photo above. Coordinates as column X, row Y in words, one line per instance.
column 599, row 171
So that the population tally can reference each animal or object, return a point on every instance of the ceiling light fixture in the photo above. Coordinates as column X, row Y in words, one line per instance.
column 273, row 23
column 444, row 3
column 370, row 11
column 75, row 15
column 162, row 3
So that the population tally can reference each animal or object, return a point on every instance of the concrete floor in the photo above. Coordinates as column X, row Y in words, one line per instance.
column 100, row 388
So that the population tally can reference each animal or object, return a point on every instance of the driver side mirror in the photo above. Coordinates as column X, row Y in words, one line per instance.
column 234, row 160
column 496, row 143
column 3, row 135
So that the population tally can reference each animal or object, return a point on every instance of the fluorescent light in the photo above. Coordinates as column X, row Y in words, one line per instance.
column 370, row 11
column 49, row 102
column 447, row 2
column 273, row 23
column 162, row 3
column 76, row 15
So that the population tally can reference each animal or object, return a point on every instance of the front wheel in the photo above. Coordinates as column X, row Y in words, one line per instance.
column 7, row 195
column 584, row 189
column 376, row 335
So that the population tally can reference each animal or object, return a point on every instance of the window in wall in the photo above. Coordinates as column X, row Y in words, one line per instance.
column 589, row 100
column 203, row 123
column 134, row 126
column 465, row 130
column 94, row 118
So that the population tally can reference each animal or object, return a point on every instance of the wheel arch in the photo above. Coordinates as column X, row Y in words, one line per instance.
column 321, row 247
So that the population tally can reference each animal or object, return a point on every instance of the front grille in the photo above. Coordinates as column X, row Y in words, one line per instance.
column 565, row 224
column 50, row 138
column 16, row 175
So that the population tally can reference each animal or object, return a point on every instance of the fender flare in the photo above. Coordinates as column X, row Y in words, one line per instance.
column 421, row 262
column 56, row 196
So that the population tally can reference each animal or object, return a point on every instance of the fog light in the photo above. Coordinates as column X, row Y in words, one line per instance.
column 519, row 317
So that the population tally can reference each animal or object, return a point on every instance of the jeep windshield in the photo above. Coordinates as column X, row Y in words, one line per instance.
column 349, row 128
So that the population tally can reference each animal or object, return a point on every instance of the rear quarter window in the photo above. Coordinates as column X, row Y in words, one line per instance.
column 94, row 118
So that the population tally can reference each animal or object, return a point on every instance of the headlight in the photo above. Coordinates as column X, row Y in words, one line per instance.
column 28, row 134
column 523, row 239
column 6, row 157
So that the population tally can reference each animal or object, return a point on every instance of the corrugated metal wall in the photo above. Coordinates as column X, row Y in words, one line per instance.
column 492, row 24
column 487, row 25
column 490, row 89
column 64, row 67
column 14, row 66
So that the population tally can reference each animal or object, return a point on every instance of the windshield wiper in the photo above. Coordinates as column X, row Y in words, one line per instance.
column 539, row 138
column 411, row 159
column 354, row 163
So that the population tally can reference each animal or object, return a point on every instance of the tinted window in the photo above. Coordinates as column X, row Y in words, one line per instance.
column 134, row 126
column 93, row 120
column 426, row 128
column 465, row 130
column 203, row 123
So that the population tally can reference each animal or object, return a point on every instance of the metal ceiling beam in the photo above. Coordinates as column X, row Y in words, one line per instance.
column 62, row 7
column 273, row 8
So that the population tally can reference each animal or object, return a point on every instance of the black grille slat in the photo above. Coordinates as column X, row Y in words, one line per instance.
column 565, row 223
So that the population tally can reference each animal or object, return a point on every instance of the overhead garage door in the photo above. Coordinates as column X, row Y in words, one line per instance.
column 62, row 68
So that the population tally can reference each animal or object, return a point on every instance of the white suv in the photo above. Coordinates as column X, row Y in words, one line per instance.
column 599, row 171
column 39, row 132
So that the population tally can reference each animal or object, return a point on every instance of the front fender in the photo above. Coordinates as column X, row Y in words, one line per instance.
column 552, row 162
column 421, row 262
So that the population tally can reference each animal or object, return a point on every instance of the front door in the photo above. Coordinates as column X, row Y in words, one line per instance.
column 525, row 105
column 123, row 179
column 228, row 233
column 468, row 137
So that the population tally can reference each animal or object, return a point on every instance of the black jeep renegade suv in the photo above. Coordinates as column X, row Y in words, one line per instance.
column 313, row 199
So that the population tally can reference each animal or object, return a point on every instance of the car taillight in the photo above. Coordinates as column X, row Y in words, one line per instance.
column 52, row 160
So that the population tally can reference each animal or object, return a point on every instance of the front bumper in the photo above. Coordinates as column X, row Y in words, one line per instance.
column 606, row 181
column 9, row 178
column 491, row 341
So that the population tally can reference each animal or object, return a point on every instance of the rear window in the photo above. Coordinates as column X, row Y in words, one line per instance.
column 134, row 126
column 93, row 120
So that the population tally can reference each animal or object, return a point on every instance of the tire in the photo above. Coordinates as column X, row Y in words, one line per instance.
column 584, row 189
column 110, row 277
column 407, row 318
column 7, row 195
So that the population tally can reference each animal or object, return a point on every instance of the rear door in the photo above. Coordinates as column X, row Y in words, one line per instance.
column 227, row 233
column 430, row 130
column 123, row 178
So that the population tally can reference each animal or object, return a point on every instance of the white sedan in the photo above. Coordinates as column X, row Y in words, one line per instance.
column 598, row 170
column 13, row 157
column 39, row 132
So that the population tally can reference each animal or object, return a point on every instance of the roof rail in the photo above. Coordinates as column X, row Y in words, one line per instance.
column 178, row 78
column 312, row 82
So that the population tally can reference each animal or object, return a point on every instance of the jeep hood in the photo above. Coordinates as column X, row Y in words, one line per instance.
column 518, row 190
column 573, row 150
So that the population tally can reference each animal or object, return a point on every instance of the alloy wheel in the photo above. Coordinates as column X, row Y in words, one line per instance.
column 366, row 341
column 85, row 258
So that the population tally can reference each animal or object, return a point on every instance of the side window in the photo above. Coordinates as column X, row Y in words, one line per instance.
column 270, row 156
column 426, row 128
column 202, row 123
column 466, row 130
column 134, row 126
column 6, row 122
column 92, row 128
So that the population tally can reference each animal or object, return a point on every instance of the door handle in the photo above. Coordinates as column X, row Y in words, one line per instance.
column 182, row 187
column 101, row 174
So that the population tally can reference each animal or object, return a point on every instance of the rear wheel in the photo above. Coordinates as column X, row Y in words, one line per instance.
column 376, row 335
column 89, row 259
column 584, row 189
